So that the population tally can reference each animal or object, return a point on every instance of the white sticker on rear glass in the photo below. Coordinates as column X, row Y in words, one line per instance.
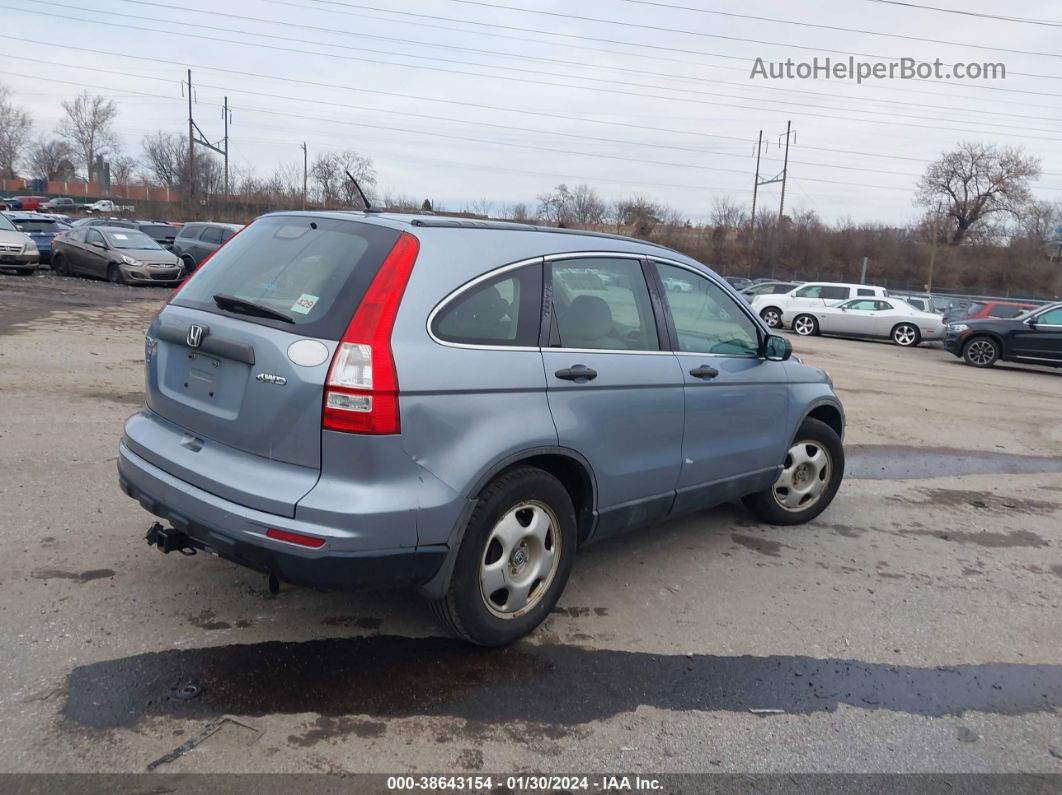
column 305, row 303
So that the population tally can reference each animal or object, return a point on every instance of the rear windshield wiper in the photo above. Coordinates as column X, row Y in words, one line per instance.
column 249, row 307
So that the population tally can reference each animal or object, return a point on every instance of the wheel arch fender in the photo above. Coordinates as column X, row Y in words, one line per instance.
column 569, row 466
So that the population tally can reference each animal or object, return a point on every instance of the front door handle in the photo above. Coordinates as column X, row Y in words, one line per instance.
column 704, row 371
column 577, row 372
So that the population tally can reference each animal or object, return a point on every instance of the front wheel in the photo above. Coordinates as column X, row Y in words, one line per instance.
column 114, row 274
column 59, row 265
column 806, row 325
column 811, row 474
column 772, row 317
column 906, row 335
column 980, row 352
column 514, row 559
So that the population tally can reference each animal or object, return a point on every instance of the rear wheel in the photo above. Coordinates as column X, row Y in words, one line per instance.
column 114, row 274
column 805, row 325
column 811, row 475
column 981, row 352
column 772, row 317
column 514, row 559
column 906, row 335
column 59, row 265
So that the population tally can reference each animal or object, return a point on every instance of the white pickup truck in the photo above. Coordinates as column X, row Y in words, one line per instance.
column 107, row 206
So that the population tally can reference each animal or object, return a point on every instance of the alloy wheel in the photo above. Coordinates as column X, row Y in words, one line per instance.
column 805, row 475
column 520, row 560
column 905, row 335
column 981, row 352
column 772, row 318
column 804, row 326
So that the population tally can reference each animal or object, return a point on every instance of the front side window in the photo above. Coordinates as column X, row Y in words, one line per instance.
column 505, row 310
column 1052, row 317
column 602, row 304
column 706, row 319
column 863, row 304
column 94, row 237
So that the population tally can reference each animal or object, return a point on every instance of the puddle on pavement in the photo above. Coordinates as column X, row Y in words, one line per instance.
column 392, row 677
column 893, row 462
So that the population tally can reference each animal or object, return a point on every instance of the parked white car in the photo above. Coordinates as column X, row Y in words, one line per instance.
column 813, row 295
column 884, row 318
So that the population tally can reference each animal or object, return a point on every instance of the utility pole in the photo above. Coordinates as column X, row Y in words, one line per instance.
column 191, row 143
column 227, row 118
column 305, row 171
column 933, row 248
column 756, row 183
column 195, row 136
column 785, row 170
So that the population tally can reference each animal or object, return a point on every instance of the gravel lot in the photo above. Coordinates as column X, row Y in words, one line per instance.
column 915, row 626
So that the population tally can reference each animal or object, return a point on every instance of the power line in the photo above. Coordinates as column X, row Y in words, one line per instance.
column 539, row 82
column 460, row 103
column 779, row 21
column 661, row 29
column 711, row 81
column 920, row 7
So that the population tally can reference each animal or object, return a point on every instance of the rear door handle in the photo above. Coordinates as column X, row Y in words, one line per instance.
column 577, row 372
column 704, row 371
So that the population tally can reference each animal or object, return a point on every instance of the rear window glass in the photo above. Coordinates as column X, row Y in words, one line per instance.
column 158, row 231
column 313, row 270
column 1005, row 310
column 37, row 226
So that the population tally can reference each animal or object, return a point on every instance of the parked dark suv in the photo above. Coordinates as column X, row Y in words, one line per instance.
column 1032, row 338
column 348, row 399
column 197, row 241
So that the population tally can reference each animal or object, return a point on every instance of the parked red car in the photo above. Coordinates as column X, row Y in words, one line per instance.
column 30, row 202
column 980, row 309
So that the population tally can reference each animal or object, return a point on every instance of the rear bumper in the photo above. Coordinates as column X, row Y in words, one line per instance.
column 237, row 533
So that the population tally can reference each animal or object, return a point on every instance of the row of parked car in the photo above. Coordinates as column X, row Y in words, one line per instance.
column 62, row 204
column 122, row 250
column 981, row 332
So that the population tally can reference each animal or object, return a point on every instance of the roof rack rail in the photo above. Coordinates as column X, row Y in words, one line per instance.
column 466, row 223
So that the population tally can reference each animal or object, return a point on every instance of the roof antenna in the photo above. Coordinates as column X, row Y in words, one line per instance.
column 364, row 199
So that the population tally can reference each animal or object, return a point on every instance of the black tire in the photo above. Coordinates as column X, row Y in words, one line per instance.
column 772, row 316
column 981, row 352
column 58, row 265
column 114, row 274
column 906, row 335
column 809, row 330
column 464, row 608
column 765, row 504
column 189, row 264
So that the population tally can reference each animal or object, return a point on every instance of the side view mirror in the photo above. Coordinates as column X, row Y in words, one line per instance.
column 777, row 349
column 97, row 244
column 844, row 308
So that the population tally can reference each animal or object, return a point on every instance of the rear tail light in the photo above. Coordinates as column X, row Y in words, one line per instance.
column 361, row 395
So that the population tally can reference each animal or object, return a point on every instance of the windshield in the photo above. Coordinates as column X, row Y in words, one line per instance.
column 130, row 239
column 6, row 225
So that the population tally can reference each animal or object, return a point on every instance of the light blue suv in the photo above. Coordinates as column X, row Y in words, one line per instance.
column 355, row 399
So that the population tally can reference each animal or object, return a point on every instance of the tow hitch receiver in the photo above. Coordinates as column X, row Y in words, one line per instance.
column 169, row 540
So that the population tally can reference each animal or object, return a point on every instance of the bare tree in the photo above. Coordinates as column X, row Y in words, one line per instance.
column 587, row 207
column 89, row 127
column 329, row 175
column 123, row 168
column 728, row 214
column 15, row 126
column 51, row 159
column 164, row 157
column 975, row 182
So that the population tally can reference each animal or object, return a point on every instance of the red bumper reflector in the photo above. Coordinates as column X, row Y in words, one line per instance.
column 295, row 538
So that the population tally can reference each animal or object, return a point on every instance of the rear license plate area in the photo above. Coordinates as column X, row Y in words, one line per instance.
column 201, row 376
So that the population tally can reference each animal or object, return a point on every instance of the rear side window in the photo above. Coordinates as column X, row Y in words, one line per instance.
column 313, row 270
column 838, row 293
column 1003, row 310
column 504, row 310
column 602, row 304
column 212, row 234
column 861, row 291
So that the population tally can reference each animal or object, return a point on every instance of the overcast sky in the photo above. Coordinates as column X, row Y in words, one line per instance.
column 661, row 105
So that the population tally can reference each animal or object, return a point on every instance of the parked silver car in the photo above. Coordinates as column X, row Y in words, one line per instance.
column 349, row 399
column 882, row 318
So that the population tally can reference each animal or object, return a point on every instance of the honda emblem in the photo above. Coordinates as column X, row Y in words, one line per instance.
column 195, row 335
